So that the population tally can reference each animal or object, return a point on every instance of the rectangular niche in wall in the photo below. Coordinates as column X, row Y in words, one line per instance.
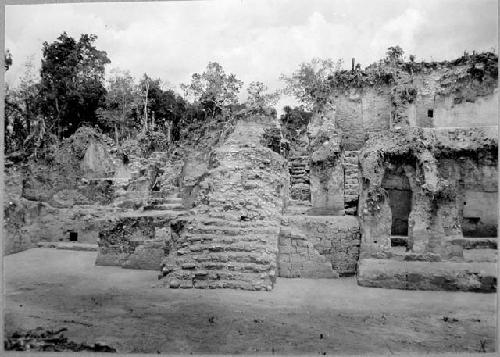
column 73, row 236
column 480, row 214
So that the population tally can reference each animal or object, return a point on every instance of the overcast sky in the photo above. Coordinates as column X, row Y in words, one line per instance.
column 255, row 39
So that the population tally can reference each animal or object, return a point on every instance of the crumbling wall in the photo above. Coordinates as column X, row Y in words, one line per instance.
column 83, row 156
column 135, row 241
column 318, row 246
column 326, row 174
column 450, row 111
column 27, row 222
column 349, row 118
column 435, row 218
column 327, row 188
column 460, row 93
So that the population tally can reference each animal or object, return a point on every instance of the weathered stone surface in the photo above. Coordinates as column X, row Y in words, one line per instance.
column 436, row 181
column 318, row 246
column 231, row 240
column 69, row 246
column 392, row 274
column 136, row 241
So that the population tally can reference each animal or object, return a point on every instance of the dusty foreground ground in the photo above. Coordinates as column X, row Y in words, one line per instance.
column 126, row 310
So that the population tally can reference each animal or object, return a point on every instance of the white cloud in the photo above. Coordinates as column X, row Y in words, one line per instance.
column 400, row 30
column 257, row 39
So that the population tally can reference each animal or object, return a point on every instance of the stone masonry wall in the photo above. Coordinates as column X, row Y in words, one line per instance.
column 434, row 223
column 231, row 239
column 318, row 246
column 135, row 241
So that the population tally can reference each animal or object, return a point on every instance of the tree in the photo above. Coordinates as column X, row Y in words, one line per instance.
column 214, row 89
column 7, row 60
column 28, row 93
column 258, row 99
column 119, row 102
column 21, row 107
column 72, row 82
column 394, row 53
column 295, row 119
column 310, row 84
column 144, row 88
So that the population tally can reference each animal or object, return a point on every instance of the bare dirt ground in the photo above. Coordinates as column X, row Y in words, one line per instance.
column 127, row 310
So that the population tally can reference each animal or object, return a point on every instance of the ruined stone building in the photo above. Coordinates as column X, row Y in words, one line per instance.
column 393, row 180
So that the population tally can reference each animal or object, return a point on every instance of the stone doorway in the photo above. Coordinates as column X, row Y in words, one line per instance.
column 399, row 193
column 400, row 203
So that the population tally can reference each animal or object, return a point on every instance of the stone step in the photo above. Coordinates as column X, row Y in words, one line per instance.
column 415, row 275
column 229, row 239
column 160, row 194
column 399, row 241
column 299, row 158
column 170, row 214
column 232, row 230
column 212, row 247
column 164, row 207
column 480, row 255
column 164, row 200
column 350, row 211
column 234, row 280
column 351, row 152
column 89, row 247
column 298, row 173
column 348, row 166
column 228, row 222
column 476, row 243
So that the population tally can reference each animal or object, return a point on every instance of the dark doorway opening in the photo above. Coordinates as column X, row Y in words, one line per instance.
column 400, row 202
column 397, row 186
column 73, row 236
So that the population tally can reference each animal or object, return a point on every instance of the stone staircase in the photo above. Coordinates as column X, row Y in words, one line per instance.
column 299, row 178
column 223, row 253
column 163, row 201
column 351, row 182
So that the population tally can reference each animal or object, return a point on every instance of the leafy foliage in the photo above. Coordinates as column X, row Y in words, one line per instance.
column 119, row 101
column 310, row 83
column 214, row 89
column 295, row 120
column 395, row 53
column 258, row 99
column 72, row 76
column 151, row 141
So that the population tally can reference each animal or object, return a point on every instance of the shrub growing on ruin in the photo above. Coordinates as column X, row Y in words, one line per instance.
column 213, row 89
column 151, row 141
column 310, row 83
column 258, row 99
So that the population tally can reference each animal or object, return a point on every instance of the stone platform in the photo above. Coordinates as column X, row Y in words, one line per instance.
column 416, row 275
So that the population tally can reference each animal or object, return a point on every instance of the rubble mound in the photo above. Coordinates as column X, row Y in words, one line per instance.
column 41, row 340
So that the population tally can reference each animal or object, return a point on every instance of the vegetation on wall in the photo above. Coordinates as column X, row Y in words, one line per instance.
column 71, row 91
